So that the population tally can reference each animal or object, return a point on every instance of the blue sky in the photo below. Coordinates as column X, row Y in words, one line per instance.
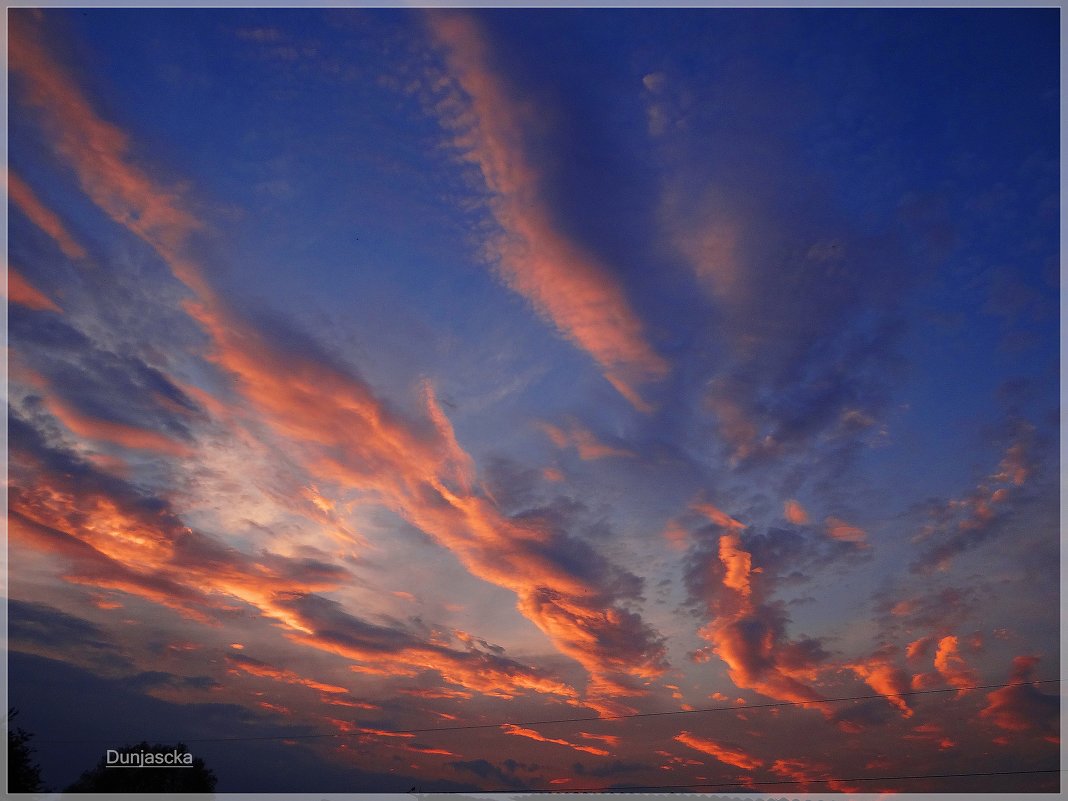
column 379, row 370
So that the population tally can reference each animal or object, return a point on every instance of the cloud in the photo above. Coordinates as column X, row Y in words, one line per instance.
column 46, row 631
column 564, row 283
column 960, row 524
column 717, row 516
column 40, row 215
column 846, row 532
column 324, row 624
column 503, row 775
column 949, row 663
column 344, row 436
column 530, row 734
column 737, row 563
column 121, row 434
column 582, row 440
column 728, row 755
column 117, row 538
column 1024, row 708
column 802, row 316
column 795, row 513
column 732, row 578
column 20, row 291
column 749, row 633
column 254, row 667
column 885, row 678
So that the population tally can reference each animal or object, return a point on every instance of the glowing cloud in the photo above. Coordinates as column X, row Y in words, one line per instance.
column 564, row 283
column 1024, row 708
column 795, row 513
column 508, row 728
column 344, row 435
column 583, row 441
column 22, row 292
column 117, row 433
column 885, row 679
column 846, row 532
column 951, row 665
column 43, row 217
column 725, row 754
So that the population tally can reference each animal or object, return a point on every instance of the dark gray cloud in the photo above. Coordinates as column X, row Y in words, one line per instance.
column 225, row 736
column 502, row 776
column 41, row 624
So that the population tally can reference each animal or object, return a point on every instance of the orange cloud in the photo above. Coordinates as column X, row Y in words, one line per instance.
column 738, row 563
column 885, row 679
column 676, row 535
column 22, row 292
column 795, row 513
column 1023, row 708
column 117, row 433
column 610, row 739
column 725, row 754
column 421, row 692
column 565, row 284
column 962, row 523
column 509, row 728
column 40, row 215
column 800, row 771
column 748, row 634
column 846, row 532
column 717, row 517
column 583, row 441
column 98, row 151
column 256, row 668
column 921, row 647
column 951, row 665
column 345, row 436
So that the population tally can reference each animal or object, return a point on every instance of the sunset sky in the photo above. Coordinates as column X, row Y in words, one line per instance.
column 373, row 371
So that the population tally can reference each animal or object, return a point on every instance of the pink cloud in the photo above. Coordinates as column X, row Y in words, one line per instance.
column 728, row 755
column 1023, row 708
column 343, row 435
column 22, row 292
column 564, row 283
column 582, row 440
column 43, row 217
column 795, row 513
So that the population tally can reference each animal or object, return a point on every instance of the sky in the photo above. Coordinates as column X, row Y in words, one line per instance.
column 393, row 370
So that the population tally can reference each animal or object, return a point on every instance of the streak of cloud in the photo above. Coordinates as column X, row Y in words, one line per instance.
column 22, row 292
column 344, row 435
column 565, row 284
column 20, row 193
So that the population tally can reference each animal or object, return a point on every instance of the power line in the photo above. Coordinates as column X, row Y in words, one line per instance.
column 472, row 726
column 746, row 784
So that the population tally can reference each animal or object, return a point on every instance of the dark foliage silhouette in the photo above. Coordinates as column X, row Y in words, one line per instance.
column 24, row 775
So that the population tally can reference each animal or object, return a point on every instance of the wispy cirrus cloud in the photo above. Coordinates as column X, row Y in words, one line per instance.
column 22, row 292
column 727, row 754
column 564, row 282
column 583, row 441
column 346, row 437
column 26, row 200
column 531, row 734
column 960, row 524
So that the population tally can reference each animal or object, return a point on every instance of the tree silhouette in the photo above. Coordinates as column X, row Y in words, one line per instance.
column 23, row 774
column 153, row 779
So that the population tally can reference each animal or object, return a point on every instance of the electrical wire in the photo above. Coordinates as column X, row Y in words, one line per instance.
column 595, row 719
